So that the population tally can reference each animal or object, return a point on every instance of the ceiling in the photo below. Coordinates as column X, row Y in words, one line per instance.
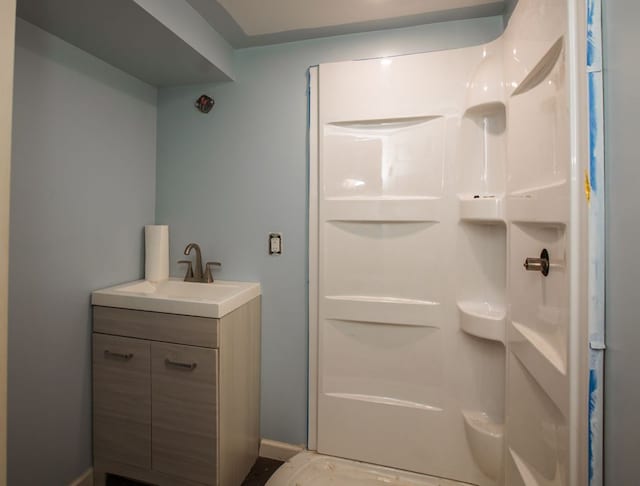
column 246, row 23
column 176, row 42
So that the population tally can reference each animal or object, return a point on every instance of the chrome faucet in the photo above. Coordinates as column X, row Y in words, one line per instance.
column 196, row 274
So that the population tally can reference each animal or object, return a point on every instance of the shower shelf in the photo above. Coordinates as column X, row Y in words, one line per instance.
column 485, row 437
column 486, row 107
column 483, row 320
column 485, row 91
column 537, row 210
column 543, row 362
column 487, row 210
column 543, row 204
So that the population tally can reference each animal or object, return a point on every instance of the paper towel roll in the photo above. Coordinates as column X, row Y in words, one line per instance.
column 156, row 244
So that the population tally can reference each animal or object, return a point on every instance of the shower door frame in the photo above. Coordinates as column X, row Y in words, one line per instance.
column 579, row 241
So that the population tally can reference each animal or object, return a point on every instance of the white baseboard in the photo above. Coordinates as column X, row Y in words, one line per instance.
column 281, row 451
column 85, row 479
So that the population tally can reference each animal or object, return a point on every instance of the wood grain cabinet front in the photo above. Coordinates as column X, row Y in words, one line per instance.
column 122, row 399
column 184, row 393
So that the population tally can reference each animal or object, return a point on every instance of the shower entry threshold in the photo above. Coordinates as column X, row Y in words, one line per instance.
column 312, row 469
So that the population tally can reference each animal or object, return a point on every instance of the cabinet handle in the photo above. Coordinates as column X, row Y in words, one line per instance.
column 178, row 364
column 122, row 356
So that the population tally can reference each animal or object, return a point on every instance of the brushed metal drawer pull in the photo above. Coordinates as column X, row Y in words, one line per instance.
column 122, row 356
column 178, row 364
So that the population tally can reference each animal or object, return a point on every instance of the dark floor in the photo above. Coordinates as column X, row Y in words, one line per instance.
column 261, row 471
column 258, row 476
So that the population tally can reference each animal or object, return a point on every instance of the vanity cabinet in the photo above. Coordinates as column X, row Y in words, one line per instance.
column 176, row 398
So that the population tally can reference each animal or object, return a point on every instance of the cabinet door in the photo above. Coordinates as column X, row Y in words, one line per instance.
column 185, row 416
column 122, row 400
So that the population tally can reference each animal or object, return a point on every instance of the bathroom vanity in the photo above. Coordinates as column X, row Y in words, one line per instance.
column 176, row 382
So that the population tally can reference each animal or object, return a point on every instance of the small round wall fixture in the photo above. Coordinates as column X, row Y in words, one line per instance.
column 204, row 103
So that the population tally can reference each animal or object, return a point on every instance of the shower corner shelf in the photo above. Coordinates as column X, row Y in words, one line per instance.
column 483, row 320
column 487, row 107
column 485, row 437
column 486, row 210
column 486, row 89
column 547, row 204
column 549, row 212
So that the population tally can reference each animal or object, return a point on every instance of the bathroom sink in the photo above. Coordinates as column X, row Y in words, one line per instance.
column 174, row 296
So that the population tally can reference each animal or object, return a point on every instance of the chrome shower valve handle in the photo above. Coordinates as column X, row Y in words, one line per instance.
column 538, row 264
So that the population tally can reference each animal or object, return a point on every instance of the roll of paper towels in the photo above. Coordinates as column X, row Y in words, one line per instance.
column 156, row 245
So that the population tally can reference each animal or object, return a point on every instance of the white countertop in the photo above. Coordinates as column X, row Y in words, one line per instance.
column 174, row 296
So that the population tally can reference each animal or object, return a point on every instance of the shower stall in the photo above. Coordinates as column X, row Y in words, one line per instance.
column 448, row 257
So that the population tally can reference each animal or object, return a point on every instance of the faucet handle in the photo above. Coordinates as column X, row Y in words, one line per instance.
column 189, row 274
column 207, row 272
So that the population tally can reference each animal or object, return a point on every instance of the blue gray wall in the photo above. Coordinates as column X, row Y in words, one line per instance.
column 83, row 185
column 227, row 179
column 622, row 359
column 510, row 6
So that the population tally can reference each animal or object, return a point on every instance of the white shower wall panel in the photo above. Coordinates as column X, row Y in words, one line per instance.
column 439, row 174
column 360, row 261
column 531, row 32
column 352, row 371
column 398, row 378
column 538, row 138
column 397, row 88
column 540, row 170
column 376, row 159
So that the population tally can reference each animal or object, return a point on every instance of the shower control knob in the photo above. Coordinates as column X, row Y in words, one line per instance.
column 538, row 264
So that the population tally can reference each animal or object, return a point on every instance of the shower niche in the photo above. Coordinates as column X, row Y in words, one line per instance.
column 481, row 167
column 482, row 151
column 482, row 280
column 482, row 314
column 482, row 164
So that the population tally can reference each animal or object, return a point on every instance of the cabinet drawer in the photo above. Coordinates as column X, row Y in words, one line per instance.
column 185, row 400
column 122, row 400
column 172, row 328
